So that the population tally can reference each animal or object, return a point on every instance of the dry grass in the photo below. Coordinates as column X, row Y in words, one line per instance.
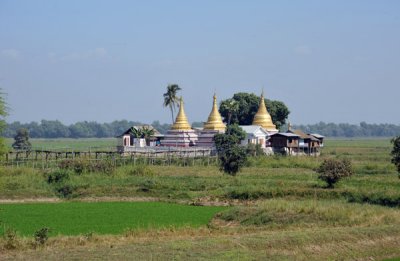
column 358, row 243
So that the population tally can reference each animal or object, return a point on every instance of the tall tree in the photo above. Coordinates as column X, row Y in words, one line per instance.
column 231, row 107
column 3, row 114
column 171, row 99
column 21, row 140
column 247, row 107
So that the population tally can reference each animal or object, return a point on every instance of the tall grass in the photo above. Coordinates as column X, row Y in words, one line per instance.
column 310, row 213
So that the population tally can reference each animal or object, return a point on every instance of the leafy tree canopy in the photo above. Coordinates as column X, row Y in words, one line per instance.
column 171, row 99
column 21, row 140
column 396, row 153
column 232, row 156
column 236, row 132
column 247, row 106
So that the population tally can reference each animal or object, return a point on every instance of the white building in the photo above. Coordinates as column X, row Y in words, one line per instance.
column 255, row 134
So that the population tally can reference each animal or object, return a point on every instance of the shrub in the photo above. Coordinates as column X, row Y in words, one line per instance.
column 77, row 165
column 83, row 165
column 58, row 176
column 254, row 149
column 231, row 155
column 65, row 190
column 147, row 185
column 10, row 236
column 104, row 166
column 41, row 236
column 332, row 170
column 396, row 153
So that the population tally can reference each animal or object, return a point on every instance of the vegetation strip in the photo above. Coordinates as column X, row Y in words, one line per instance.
column 74, row 218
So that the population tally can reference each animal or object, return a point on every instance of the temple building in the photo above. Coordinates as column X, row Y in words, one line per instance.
column 181, row 133
column 213, row 126
column 263, row 118
column 255, row 134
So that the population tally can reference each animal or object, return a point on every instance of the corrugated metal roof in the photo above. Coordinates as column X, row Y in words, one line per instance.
column 303, row 135
column 316, row 135
column 252, row 128
column 287, row 134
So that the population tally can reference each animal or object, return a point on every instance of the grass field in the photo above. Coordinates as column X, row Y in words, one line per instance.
column 68, row 143
column 74, row 218
column 279, row 210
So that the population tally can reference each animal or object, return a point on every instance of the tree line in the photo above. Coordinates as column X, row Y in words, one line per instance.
column 83, row 129
column 92, row 129
column 351, row 130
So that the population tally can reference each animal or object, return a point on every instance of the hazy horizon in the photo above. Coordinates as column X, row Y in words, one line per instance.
column 191, row 122
column 330, row 61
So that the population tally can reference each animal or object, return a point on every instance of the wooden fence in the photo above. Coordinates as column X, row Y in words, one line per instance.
column 40, row 158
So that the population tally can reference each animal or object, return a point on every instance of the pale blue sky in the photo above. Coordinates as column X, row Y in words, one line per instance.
column 332, row 61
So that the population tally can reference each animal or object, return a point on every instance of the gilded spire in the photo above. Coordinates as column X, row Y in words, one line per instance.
column 181, row 122
column 214, row 121
column 262, row 117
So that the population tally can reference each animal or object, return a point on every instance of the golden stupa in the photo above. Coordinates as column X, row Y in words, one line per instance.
column 214, row 121
column 262, row 117
column 181, row 122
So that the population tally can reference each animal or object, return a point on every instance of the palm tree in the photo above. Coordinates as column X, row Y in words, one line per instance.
column 232, row 107
column 171, row 99
column 136, row 133
column 147, row 133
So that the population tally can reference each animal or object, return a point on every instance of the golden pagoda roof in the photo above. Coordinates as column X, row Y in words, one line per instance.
column 262, row 117
column 181, row 122
column 214, row 121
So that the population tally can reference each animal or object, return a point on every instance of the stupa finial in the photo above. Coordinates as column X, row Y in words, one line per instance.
column 181, row 122
column 262, row 117
column 214, row 121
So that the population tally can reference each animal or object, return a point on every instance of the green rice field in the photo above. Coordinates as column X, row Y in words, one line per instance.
column 74, row 218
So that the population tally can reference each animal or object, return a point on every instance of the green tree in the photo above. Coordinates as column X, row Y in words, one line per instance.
column 136, row 133
column 171, row 99
column 396, row 153
column 21, row 140
column 230, row 107
column 3, row 114
column 143, row 132
column 235, row 131
column 232, row 156
column 247, row 104
column 333, row 170
column 147, row 133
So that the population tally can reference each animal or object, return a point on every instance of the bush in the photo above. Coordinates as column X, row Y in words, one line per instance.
column 65, row 190
column 231, row 155
column 10, row 236
column 396, row 153
column 41, row 236
column 57, row 176
column 232, row 159
column 104, row 166
column 77, row 165
column 83, row 165
column 254, row 149
column 332, row 170
column 147, row 185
